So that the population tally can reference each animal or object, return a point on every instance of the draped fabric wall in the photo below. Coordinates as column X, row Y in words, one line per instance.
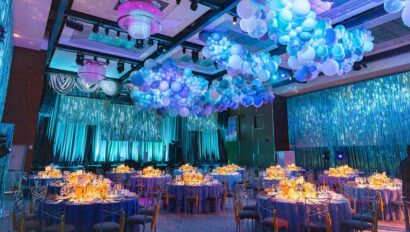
column 78, row 123
column 368, row 121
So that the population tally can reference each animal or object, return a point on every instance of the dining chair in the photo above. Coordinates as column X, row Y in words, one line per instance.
column 19, row 213
column 51, row 215
column 240, row 196
column 406, row 207
column 241, row 215
column 369, row 202
column 38, row 195
column 272, row 221
column 141, row 220
column 367, row 216
column 351, row 196
column 317, row 213
column 109, row 224
column 156, row 199
column 28, row 225
column 168, row 198
column 191, row 198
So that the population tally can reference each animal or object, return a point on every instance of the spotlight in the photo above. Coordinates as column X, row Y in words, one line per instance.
column 4, row 148
column 129, row 37
column 118, row 34
column 96, row 28
column 194, row 5
column 120, row 66
column 74, row 25
column 215, row 65
column 95, row 58
column 340, row 155
column 79, row 59
column 178, row 2
column 139, row 43
column 107, row 31
column 183, row 50
column 107, row 61
column 326, row 155
column 195, row 56
column 356, row 66
column 234, row 20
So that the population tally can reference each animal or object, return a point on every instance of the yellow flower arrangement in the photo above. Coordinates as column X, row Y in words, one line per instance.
column 86, row 187
column 275, row 173
column 227, row 170
column 151, row 172
column 379, row 180
column 292, row 167
column 50, row 172
column 186, row 168
column 122, row 168
column 192, row 178
column 290, row 189
column 342, row 171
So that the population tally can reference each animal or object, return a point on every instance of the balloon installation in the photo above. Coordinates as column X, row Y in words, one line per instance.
column 395, row 6
column 313, row 45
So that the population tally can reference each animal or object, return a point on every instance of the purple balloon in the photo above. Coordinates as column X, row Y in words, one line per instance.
column 176, row 86
column 184, row 112
column 185, row 92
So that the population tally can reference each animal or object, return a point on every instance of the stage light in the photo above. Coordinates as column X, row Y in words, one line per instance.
column 107, row 61
column 96, row 28
column 150, row 42
column 107, row 31
column 95, row 58
column 326, row 155
column 118, row 34
column 79, row 59
column 178, row 2
column 234, row 20
column 195, row 56
column 120, row 66
column 194, row 5
column 74, row 25
column 215, row 65
column 129, row 37
column 340, row 155
column 139, row 43
column 183, row 50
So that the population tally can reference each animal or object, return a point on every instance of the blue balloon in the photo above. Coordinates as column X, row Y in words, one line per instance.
column 137, row 79
column 330, row 37
column 224, row 84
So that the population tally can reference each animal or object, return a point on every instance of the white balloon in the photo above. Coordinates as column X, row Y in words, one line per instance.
column 150, row 63
column 206, row 53
column 300, row 8
column 330, row 67
column 393, row 6
column 306, row 55
column 235, row 62
column 244, row 24
column 246, row 9
column 293, row 62
column 236, row 49
column 264, row 75
column 110, row 87
column 405, row 14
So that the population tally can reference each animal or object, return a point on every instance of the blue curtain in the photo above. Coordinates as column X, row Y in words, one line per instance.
column 368, row 121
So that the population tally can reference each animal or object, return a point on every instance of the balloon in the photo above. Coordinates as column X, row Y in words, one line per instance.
column 393, row 6
column 236, row 49
column 184, row 112
column 176, row 86
column 285, row 16
column 235, row 62
column 306, row 55
column 330, row 37
column 163, row 86
column 309, row 24
column 246, row 9
column 244, row 24
column 368, row 46
column 257, row 101
column 258, row 29
column 284, row 39
column 165, row 101
column 293, row 62
column 206, row 53
column 137, row 79
column 185, row 92
column 330, row 67
column 214, row 94
column 279, row 4
column 300, row 8
column 405, row 15
column 264, row 75
column 110, row 87
column 150, row 63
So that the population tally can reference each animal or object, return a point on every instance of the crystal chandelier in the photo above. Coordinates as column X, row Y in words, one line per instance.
column 140, row 18
column 92, row 71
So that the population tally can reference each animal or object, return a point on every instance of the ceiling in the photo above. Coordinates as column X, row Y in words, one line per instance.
column 179, row 35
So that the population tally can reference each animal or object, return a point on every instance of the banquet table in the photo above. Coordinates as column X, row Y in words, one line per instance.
column 120, row 177
column 84, row 215
column 149, row 183
column 178, row 172
column 388, row 196
column 204, row 191
column 268, row 183
column 231, row 179
column 33, row 180
column 335, row 180
column 294, row 212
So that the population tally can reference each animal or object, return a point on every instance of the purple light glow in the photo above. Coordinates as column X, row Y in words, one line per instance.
column 92, row 71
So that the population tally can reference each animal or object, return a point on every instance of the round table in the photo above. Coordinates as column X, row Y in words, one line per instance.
column 84, row 215
column 334, row 180
column 149, row 183
column 294, row 212
column 268, row 183
column 388, row 196
column 120, row 177
column 42, row 181
column 178, row 172
column 296, row 173
column 204, row 191
column 231, row 179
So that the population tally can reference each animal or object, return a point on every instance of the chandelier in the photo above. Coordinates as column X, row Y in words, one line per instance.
column 92, row 71
column 140, row 18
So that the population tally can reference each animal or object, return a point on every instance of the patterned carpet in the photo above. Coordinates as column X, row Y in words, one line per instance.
column 213, row 222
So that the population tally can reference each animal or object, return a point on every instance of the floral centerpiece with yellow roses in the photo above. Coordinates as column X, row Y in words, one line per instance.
column 379, row 180
column 275, row 173
column 84, row 187
column 192, row 178
column 292, row 167
column 151, row 172
column 296, row 188
column 227, row 170
column 186, row 168
column 122, row 168
column 49, row 173
column 341, row 171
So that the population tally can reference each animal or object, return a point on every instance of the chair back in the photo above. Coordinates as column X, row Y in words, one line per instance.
column 191, row 192
column 236, row 212
column 154, row 219
column 317, row 209
column 375, row 222
column 110, row 212
column 50, row 215
column 38, row 195
column 328, row 222
column 269, row 207
column 18, row 208
column 368, row 203
column 406, row 207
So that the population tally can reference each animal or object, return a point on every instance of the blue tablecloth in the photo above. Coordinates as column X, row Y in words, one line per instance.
column 149, row 183
column 333, row 180
column 178, row 172
column 204, row 191
column 266, row 183
column 120, row 177
column 42, row 181
column 84, row 216
column 230, row 179
column 388, row 196
column 294, row 212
